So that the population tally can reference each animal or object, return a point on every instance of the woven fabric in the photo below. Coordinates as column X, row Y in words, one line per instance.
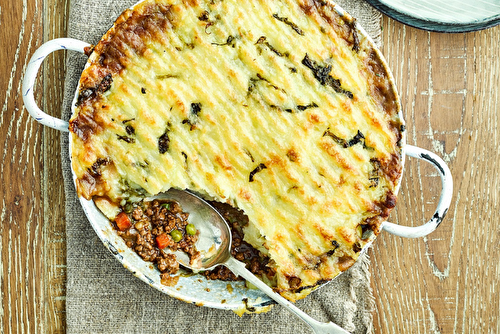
column 103, row 297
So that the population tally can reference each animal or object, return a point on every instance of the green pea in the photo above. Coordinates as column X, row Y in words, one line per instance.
column 190, row 229
column 176, row 235
column 128, row 208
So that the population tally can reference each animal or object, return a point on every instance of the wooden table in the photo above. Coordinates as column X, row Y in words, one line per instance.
column 450, row 91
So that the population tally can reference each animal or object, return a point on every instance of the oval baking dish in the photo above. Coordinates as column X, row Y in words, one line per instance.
column 195, row 288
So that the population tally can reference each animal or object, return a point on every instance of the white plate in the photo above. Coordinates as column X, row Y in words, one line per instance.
column 442, row 15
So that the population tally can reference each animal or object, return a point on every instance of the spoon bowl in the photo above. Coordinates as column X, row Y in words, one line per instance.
column 214, row 244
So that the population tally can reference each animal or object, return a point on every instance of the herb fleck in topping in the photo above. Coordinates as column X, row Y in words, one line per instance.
column 310, row 105
column 358, row 138
column 253, row 84
column 290, row 23
column 130, row 130
column 126, row 139
column 143, row 90
column 163, row 142
column 195, row 111
column 185, row 156
column 330, row 134
column 167, row 76
column 263, row 40
column 335, row 245
column 203, row 16
column 249, row 155
column 229, row 41
column 195, row 108
column 187, row 121
column 144, row 164
column 299, row 107
column 321, row 73
column 257, row 169
column 95, row 169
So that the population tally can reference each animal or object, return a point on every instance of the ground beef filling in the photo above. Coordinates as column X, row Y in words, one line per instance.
column 158, row 226
column 161, row 225
column 256, row 262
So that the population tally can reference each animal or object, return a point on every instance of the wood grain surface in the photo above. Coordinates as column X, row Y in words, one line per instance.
column 447, row 282
column 32, row 228
column 444, row 283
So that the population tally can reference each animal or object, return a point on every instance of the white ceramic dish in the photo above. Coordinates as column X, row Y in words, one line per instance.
column 195, row 288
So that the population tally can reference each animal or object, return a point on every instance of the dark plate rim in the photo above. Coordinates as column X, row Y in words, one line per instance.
column 434, row 26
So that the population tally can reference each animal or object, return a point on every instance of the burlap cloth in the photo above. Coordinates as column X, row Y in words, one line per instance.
column 103, row 297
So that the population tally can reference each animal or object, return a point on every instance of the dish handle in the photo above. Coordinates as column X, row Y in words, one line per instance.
column 444, row 200
column 31, row 73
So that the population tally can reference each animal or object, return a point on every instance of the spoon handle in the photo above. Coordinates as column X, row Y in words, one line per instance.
column 318, row 327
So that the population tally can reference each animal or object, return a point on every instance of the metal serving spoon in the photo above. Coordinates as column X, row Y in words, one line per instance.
column 214, row 243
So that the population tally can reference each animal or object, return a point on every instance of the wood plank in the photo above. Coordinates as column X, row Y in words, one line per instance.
column 32, row 209
column 446, row 282
column 54, row 225
column 21, row 238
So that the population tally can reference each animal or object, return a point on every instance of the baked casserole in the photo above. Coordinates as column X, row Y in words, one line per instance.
column 277, row 107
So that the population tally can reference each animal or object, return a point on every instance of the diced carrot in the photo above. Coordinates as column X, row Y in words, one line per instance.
column 123, row 221
column 162, row 240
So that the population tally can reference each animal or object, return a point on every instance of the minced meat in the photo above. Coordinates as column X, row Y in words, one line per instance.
column 159, row 225
column 156, row 226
